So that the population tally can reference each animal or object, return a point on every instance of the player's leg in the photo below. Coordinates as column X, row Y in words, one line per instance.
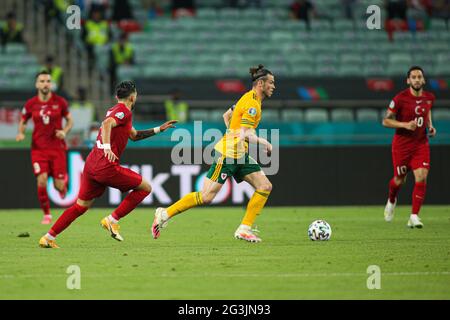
column 89, row 190
column 420, row 164
column 125, row 179
column 263, row 188
column 400, row 162
column 39, row 160
column 44, row 201
column 193, row 199
column 63, row 222
column 59, row 172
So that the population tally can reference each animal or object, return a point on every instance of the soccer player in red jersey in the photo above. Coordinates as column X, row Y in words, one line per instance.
column 102, row 168
column 48, row 148
column 410, row 114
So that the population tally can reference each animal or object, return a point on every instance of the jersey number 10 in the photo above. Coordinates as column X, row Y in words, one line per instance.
column 419, row 121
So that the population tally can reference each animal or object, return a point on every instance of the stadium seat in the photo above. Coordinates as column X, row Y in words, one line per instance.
column 316, row 115
column 302, row 70
column 351, row 58
column 367, row 115
column 270, row 115
column 216, row 115
column 292, row 115
column 440, row 114
column 349, row 69
column 400, row 58
column 438, row 24
column 207, row 13
column 342, row 25
column 199, row 115
column 342, row 115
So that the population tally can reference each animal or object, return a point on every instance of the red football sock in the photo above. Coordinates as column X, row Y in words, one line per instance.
column 67, row 218
column 393, row 190
column 418, row 196
column 43, row 199
column 130, row 202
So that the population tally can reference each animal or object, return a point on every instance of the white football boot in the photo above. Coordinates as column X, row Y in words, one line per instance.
column 389, row 210
column 414, row 222
column 246, row 233
column 160, row 222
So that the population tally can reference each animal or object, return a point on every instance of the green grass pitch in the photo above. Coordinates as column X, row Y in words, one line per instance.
column 198, row 258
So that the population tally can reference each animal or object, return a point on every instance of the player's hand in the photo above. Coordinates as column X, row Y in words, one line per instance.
column 167, row 125
column 20, row 137
column 431, row 132
column 60, row 134
column 412, row 125
column 110, row 155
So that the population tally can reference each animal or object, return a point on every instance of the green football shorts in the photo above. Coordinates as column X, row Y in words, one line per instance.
column 223, row 167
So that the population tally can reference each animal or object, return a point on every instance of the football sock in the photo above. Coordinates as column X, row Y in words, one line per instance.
column 50, row 237
column 393, row 190
column 190, row 200
column 418, row 196
column 128, row 204
column 67, row 218
column 255, row 206
column 43, row 200
column 111, row 219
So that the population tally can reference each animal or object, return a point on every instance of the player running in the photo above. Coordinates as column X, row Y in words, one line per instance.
column 48, row 148
column 410, row 114
column 102, row 168
column 233, row 160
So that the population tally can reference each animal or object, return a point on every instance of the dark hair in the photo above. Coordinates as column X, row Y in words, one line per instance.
column 259, row 72
column 125, row 89
column 43, row 72
column 414, row 68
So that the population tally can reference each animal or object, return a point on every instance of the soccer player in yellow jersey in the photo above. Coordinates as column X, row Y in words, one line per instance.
column 232, row 160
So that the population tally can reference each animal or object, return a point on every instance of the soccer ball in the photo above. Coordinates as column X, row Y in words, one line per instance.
column 319, row 230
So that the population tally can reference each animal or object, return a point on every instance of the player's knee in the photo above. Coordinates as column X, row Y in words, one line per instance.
column 207, row 197
column 267, row 186
column 400, row 180
column 42, row 181
column 84, row 203
column 145, row 186
column 421, row 178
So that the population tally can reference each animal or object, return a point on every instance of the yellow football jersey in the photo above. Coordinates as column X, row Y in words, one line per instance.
column 247, row 113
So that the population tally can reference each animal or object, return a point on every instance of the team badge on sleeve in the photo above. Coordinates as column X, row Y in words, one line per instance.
column 120, row 115
column 252, row 112
column 392, row 105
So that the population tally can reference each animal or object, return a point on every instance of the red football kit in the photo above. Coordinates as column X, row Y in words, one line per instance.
column 99, row 172
column 48, row 153
column 410, row 149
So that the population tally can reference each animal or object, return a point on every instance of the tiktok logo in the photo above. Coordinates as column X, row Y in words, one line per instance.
column 75, row 169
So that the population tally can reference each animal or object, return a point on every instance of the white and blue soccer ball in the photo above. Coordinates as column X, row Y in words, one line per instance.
column 319, row 230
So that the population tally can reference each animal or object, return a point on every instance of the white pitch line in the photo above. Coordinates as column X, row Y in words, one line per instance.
column 240, row 275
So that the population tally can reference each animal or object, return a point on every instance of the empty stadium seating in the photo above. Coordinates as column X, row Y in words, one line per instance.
column 231, row 39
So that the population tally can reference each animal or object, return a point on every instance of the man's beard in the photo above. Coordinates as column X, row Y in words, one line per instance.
column 415, row 88
column 45, row 92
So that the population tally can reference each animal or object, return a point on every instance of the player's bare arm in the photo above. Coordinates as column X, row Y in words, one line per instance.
column 61, row 134
column 250, row 135
column 431, row 130
column 136, row 135
column 21, row 131
column 389, row 121
column 107, row 126
column 227, row 117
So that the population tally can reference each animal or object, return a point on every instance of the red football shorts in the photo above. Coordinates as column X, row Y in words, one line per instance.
column 93, row 184
column 53, row 162
column 406, row 159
